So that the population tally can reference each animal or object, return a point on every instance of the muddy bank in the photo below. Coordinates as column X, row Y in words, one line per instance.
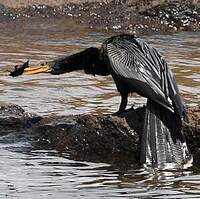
column 121, row 16
column 98, row 138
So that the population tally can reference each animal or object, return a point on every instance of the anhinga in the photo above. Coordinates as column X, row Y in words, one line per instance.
column 136, row 67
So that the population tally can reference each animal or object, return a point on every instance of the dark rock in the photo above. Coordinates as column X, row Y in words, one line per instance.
column 192, row 132
column 89, row 137
column 14, row 118
column 98, row 138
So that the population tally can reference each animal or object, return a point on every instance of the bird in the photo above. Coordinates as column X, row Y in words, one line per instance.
column 136, row 66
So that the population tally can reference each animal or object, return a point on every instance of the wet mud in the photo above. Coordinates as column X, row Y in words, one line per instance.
column 88, row 137
column 120, row 16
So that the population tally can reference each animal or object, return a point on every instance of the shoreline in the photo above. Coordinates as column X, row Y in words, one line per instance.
column 141, row 17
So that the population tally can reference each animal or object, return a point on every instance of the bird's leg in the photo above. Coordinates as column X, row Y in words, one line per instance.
column 123, row 104
column 133, row 106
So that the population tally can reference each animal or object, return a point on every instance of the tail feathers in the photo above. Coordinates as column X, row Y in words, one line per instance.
column 163, row 144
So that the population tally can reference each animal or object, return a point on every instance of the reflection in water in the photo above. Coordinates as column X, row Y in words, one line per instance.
column 46, row 173
column 30, row 173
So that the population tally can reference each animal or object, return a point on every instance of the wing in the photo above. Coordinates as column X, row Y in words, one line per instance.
column 142, row 67
column 175, row 94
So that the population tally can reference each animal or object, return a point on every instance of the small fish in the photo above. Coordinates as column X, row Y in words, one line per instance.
column 19, row 69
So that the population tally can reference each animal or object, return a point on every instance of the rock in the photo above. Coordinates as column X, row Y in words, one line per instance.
column 192, row 132
column 122, row 16
column 14, row 118
column 89, row 137
column 97, row 138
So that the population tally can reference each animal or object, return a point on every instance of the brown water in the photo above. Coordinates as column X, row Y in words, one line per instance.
column 26, row 172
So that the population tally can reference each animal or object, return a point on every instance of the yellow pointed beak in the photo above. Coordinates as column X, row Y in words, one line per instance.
column 36, row 69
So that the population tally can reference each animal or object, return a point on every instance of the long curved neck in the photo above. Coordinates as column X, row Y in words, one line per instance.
column 88, row 60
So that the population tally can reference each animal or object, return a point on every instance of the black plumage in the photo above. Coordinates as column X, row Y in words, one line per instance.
column 137, row 67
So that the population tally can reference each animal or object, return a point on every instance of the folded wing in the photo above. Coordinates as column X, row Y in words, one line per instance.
column 139, row 64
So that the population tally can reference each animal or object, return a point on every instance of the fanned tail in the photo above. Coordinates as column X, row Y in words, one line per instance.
column 163, row 145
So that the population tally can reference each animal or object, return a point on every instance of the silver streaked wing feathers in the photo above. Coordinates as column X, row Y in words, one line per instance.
column 143, row 64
